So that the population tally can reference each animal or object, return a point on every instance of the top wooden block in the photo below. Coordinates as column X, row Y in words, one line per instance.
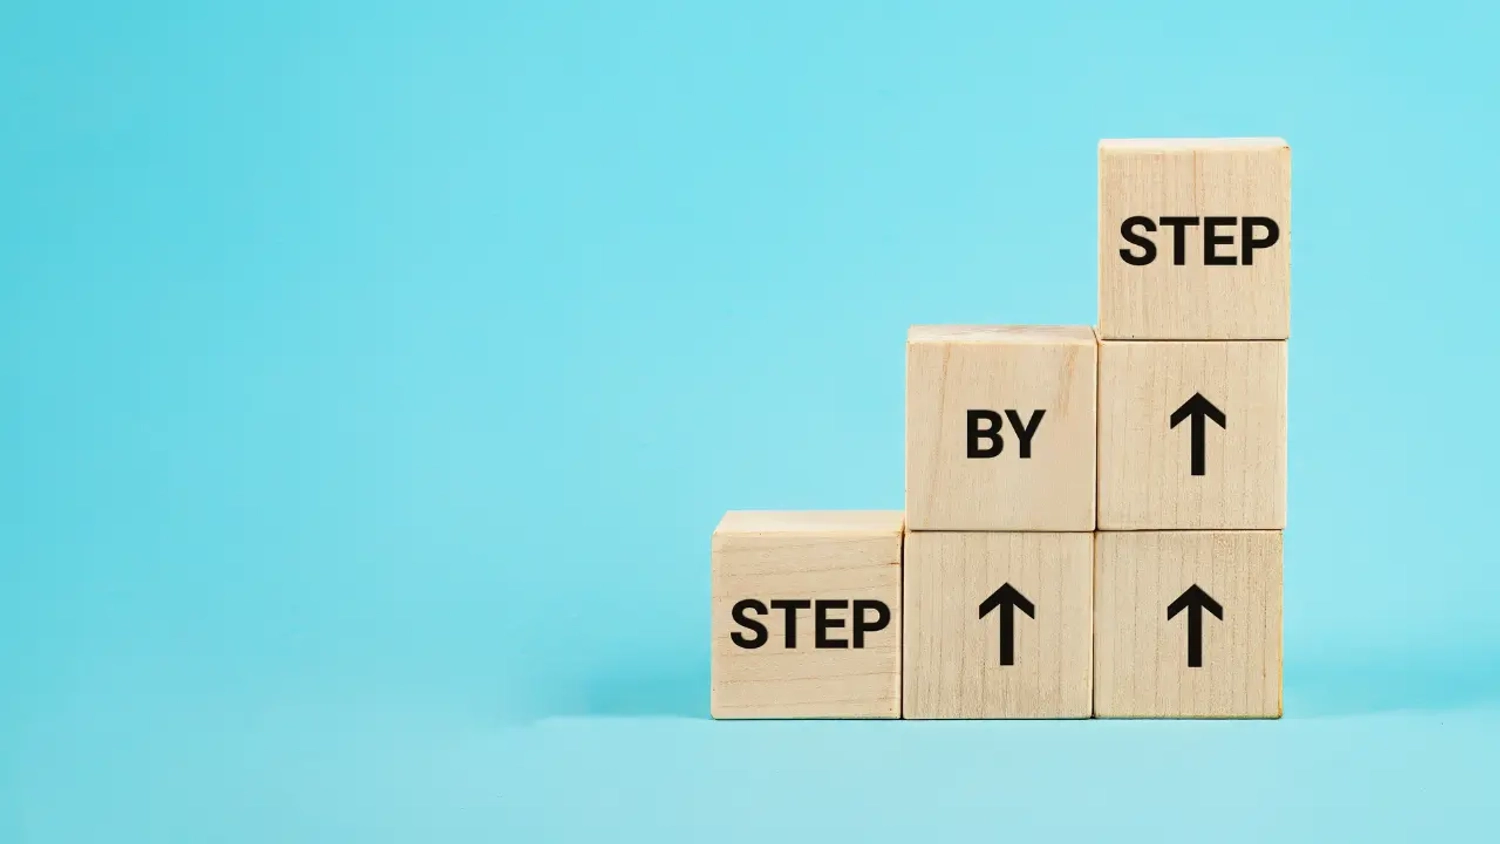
column 1195, row 239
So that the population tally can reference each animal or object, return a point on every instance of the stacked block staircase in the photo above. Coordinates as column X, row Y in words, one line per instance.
column 1093, row 522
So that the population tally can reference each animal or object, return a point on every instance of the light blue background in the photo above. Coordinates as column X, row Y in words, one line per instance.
column 372, row 375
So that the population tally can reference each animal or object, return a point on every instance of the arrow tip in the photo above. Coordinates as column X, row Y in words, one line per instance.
column 1007, row 594
column 1198, row 405
column 1191, row 597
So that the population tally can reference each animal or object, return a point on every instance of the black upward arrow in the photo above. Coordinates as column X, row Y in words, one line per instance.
column 1007, row 599
column 1197, row 408
column 1195, row 600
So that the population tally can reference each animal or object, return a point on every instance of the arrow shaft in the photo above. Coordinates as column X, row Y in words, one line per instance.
column 1007, row 634
column 1195, row 636
column 1198, row 435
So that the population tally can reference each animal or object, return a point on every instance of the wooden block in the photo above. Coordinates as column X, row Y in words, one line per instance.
column 1157, row 594
column 1192, row 435
column 807, row 615
column 1000, row 428
column 1195, row 239
column 998, row 625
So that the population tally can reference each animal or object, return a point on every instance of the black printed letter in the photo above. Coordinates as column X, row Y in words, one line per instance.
column 1179, row 241
column 791, row 607
column 823, row 622
column 1024, row 432
column 992, row 433
column 1247, row 226
column 1148, row 248
column 861, row 627
column 758, row 629
column 1212, row 239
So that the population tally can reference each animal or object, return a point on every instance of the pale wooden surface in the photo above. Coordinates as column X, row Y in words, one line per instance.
column 1236, row 177
column 831, row 555
column 1191, row 144
column 1140, row 656
column 1145, row 479
column 1077, row 335
column 817, row 522
column 953, row 369
column 952, row 656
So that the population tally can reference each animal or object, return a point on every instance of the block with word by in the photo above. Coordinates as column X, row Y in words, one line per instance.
column 1192, row 435
column 1000, row 428
column 806, row 615
column 998, row 625
column 1188, row 624
column 1195, row 239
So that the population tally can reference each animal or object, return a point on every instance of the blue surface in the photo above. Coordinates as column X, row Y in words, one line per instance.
column 372, row 375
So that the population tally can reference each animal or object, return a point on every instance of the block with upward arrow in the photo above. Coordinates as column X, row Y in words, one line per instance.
column 1188, row 624
column 1192, row 435
column 997, row 625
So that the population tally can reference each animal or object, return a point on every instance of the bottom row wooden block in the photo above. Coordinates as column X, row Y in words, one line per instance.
column 998, row 625
column 827, row 615
column 1187, row 624
column 807, row 615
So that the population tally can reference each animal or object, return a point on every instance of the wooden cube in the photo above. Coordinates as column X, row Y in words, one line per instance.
column 806, row 615
column 1187, row 624
column 1000, row 428
column 1192, row 435
column 1195, row 239
column 998, row 625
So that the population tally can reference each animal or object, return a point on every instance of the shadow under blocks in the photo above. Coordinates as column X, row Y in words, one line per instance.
column 1094, row 516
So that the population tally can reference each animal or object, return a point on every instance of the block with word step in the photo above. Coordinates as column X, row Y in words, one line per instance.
column 1195, row 239
column 997, row 625
column 1188, row 624
column 1192, row 435
column 1000, row 428
column 806, row 615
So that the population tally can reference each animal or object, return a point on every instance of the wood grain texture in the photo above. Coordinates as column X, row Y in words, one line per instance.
column 1145, row 464
column 1140, row 655
column 1235, row 177
column 951, row 370
column 838, row 556
column 952, row 656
